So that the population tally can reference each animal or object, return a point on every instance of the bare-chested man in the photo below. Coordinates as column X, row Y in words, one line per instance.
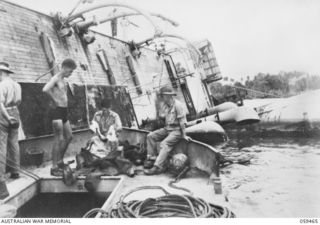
column 57, row 89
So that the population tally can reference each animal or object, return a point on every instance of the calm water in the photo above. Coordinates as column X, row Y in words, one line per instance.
column 61, row 205
column 282, row 180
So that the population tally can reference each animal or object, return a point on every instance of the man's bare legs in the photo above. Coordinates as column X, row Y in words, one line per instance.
column 58, row 138
column 62, row 137
column 67, row 137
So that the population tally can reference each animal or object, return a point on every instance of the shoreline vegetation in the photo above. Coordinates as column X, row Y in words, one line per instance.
column 264, row 85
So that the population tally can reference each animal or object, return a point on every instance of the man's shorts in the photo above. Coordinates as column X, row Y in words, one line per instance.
column 60, row 113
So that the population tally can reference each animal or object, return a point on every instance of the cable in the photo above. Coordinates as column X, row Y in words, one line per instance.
column 49, row 71
column 252, row 90
column 162, row 65
column 168, row 205
column 91, row 212
column 172, row 185
column 177, row 179
column 155, row 90
column 12, row 164
column 17, row 167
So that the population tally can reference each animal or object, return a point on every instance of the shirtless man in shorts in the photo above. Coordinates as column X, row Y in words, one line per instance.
column 57, row 89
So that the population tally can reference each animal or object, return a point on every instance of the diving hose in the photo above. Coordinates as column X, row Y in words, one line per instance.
column 168, row 205
column 177, row 179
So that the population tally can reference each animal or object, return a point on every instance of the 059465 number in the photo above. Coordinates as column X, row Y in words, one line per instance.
column 308, row 220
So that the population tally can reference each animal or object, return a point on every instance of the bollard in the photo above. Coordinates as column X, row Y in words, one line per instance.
column 217, row 186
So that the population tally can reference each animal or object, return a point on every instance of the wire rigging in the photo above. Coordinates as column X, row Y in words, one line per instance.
column 14, row 165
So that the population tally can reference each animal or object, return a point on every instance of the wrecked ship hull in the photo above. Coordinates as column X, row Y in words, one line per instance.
column 296, row 115
column 203, row 158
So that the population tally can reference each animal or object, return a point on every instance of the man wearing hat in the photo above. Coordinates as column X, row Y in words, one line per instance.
column 174, row 130
column 10, row 98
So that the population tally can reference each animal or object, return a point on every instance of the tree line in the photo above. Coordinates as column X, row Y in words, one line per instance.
column 265, row 85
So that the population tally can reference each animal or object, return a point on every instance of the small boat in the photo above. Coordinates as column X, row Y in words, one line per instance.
column 36, row 181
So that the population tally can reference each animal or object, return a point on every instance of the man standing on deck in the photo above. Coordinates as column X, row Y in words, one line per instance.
column 10, row 98
column 57, row 89
column 174, row 130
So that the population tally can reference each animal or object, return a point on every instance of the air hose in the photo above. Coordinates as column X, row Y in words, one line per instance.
column 168, row 205
column 94, row 211
column 177, row 179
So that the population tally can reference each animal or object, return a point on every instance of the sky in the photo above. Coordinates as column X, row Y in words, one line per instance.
column 248, row 36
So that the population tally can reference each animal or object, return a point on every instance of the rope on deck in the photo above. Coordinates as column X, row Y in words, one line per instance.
column 168, row 205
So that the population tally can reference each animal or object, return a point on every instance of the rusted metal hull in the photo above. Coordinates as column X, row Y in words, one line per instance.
column 201, row 156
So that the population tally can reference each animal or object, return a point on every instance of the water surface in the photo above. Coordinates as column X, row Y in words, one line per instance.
column 282, row 180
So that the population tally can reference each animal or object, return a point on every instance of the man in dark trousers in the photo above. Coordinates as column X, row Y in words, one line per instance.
column 175, row 120
column 57, row 89
column 10, row 99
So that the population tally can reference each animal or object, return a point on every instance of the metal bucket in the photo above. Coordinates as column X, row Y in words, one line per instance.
column 34, row 156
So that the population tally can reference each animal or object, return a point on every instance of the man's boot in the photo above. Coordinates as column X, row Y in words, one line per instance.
column 153, row 171
column 149, row 162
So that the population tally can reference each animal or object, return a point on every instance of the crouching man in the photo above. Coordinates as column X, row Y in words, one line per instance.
column 174, row 130
column 102, row 149
column 106, row 125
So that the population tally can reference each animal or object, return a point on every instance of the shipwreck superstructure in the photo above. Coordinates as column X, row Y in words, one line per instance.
column 34, row 44
column 128, row 73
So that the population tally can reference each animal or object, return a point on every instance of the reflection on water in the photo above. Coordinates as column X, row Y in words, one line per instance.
column 282, row 180
column 61, row 205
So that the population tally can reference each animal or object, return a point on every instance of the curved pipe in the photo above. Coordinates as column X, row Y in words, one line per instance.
column 241, row 115
column 183, row 50
column 180, row 48
column 174, row 23
column 181, row 38
column 222, row 107
column 173, row 36
column 177, row 44
column 142, row 12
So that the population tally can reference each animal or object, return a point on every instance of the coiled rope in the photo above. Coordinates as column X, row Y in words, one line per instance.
column 168, row 205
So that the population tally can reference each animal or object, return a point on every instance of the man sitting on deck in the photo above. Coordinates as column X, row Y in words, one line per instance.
column 102, row 150
column 174, row 130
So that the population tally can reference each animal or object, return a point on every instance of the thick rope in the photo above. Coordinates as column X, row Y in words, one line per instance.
column 168, row 205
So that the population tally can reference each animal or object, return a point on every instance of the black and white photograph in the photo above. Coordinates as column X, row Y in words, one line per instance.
column 159, row 109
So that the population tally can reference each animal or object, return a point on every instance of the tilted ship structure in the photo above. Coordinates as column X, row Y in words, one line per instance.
column 129, row 73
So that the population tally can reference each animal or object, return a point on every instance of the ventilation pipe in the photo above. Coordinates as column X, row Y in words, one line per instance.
column 82, row 27
column 126, row 14
column 241, row 115
column 176, row 37
column 158, row 32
